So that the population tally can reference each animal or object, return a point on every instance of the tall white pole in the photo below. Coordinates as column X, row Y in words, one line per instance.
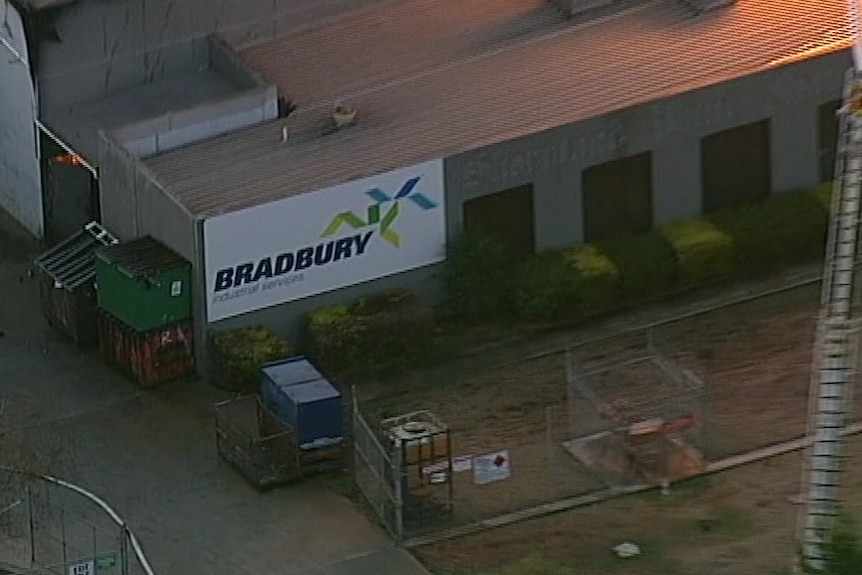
column 855, row 28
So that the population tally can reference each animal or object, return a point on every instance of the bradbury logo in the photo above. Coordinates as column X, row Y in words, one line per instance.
column 284, row 268
column 387, row 206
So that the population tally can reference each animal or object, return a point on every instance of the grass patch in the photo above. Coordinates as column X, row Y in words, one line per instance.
column 724, row 520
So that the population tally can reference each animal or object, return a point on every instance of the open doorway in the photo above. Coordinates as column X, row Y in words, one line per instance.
column 70, row 193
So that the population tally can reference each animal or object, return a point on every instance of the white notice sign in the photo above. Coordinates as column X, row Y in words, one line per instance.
column 82, row 568
column 492, row 467
column 459, row 463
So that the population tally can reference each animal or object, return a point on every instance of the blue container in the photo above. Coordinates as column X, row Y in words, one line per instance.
column 303, row 398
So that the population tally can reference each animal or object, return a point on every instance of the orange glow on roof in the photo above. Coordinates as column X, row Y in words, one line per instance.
column 813, row 52
column 68, row 159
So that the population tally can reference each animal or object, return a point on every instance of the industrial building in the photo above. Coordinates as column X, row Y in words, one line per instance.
column 77, row 66
column 501, row 115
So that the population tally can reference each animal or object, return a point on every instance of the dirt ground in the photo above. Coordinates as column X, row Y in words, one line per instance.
column 738, row 522
column 755, row 361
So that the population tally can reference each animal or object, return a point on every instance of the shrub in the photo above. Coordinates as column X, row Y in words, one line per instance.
column 377, row 334
column 600, row 277
column 703, row 252
column 823, row 193
column 646, row 262
column 335, row 334
column 240, row 353
column 398, row 332
column 843, row 551
column 478, row 277
column 565, row 283
column 547, row 287
column 783, row 229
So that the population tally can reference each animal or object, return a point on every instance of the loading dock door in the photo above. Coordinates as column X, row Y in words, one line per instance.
column 617, row 197
column 828, row 132
column 736, row 166
column 506, row 216
column 69, row 193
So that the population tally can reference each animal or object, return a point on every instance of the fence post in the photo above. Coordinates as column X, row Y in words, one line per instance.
column 63, row 535
column 32, row 525
column 549, row 443
column 399, row 493
column 124, row 551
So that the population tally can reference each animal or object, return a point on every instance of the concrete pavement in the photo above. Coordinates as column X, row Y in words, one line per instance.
column 152, row 456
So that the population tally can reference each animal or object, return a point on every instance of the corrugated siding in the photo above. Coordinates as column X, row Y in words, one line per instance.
column 567, row 76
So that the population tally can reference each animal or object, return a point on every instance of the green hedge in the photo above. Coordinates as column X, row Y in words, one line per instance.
column 647, row 264
column 374, row 335
column 391, row 331
column 704, row 253
column 240, row 353
column 334, row 335
column 784, row 229
column 566, row 283
column 478, row 276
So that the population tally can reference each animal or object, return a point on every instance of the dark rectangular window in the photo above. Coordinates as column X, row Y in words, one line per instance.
column 506, row 216
column 617, row 197
column 736, row 166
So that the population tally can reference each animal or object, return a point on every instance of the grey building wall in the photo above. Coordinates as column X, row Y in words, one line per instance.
column 20, row 179
column 109, row 45
column 671, row 128
column 133, row 204
column 175, row 129
column 227, row 63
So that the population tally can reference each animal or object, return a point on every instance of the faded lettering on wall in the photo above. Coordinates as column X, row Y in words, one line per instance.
column 515, row 164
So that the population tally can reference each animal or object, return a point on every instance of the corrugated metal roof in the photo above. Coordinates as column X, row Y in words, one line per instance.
column 375, row 46
column 143, row 258
column 565, row 76
column 71, row 263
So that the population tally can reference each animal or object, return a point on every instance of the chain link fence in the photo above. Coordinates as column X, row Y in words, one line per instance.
column 631, row 415
column 636, row 419
column 52, row 528
column 376, row 470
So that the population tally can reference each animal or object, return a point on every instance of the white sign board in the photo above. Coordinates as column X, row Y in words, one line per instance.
column 459, row 463
column 492, row 467
column 82, row 568
column 317, row 242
